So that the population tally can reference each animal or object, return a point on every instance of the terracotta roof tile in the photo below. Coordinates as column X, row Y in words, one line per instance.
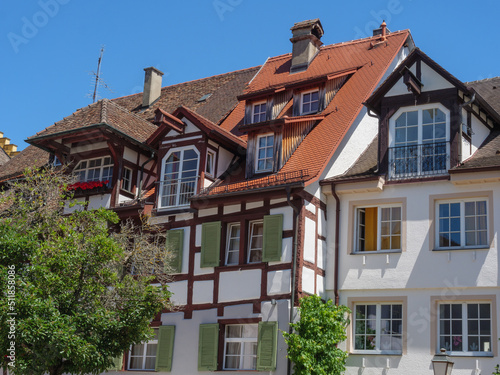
column 30, row 157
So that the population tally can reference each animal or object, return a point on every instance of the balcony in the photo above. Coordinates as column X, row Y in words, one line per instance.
column 416, row 161
column 175, row 192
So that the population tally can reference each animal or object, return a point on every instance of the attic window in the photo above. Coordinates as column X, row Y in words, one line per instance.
column 204, row 97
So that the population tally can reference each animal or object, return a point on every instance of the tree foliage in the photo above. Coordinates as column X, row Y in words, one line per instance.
column 313, row 345
column 75, row 306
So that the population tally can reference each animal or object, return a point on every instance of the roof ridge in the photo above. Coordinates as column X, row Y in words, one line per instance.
column 483, row 80
column 104, row 110
column 239, row 71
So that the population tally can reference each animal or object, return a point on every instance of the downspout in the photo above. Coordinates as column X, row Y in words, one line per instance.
column 142, row 174
column 374, row 115
column 460, row 107
column 337, row 234
column 294, row 265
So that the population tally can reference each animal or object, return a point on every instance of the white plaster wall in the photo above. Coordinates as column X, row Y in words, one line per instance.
column 179, row 292
column 277, row 200
column 360, row 135
column 207, row 212
column 130, row 155
column 287, row 212
column 89, row 147
column 122, row 198
column 278, row 282
column 239, row 285
column 417, row 360
column 321, row 254
column 308, row 280
column 97, row 201
column 197, row 238
column 203, row 292
column 417, row 266
column 320, row 286
column 197, row 269
column 224, row 160
column 251, row 205
column 190, row 127
column 232, row 208
column 286, row 251
column 479, row 133
column 310, row 207
column 310, row 241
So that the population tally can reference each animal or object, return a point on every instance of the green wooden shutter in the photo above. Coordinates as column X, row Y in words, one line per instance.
column 175, row 245
column 210, row 244
column 267, row 346
column 273, row 237
column 117, row 363
column 165, row 349
column 208, row 347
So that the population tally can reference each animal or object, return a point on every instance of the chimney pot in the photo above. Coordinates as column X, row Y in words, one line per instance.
column 306, row 40
column 152, row 86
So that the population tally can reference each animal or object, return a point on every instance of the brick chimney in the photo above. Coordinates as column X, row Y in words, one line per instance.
column 306, row 41
column 152, row 86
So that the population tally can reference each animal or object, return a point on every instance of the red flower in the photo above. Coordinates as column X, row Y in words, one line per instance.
column 88, row 185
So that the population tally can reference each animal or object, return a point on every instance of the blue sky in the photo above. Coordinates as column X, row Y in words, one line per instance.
column 49, row 48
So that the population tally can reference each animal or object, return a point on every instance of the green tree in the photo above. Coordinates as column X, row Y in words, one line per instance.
column 68, row 304
column 312, row 347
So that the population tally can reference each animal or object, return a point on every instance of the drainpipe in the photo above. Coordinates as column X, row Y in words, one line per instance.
column 142, row 173
column 294, row 264
column 460, row 107
column 374, row 115
column 337, row 234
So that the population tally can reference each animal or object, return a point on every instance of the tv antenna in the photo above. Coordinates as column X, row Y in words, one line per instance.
column 98, row 79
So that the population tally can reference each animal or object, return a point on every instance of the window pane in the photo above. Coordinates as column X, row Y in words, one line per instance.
column 233, row 331
column 412, row 118
column 484, row 310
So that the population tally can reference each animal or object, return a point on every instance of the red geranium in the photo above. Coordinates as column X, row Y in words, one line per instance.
column 88, row 185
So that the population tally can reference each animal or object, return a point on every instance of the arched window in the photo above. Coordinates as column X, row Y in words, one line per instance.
column 179, row 177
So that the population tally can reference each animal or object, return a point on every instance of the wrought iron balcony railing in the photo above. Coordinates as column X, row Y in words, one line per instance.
column 176, row 192
column 413, row 161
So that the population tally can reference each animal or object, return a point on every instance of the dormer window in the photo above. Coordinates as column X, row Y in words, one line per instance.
column 179, row 177
column 265, row 159
column 419, row 142
column 309, row 102
column 259, row 112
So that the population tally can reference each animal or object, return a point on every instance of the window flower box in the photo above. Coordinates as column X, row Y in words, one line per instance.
column 89, row 187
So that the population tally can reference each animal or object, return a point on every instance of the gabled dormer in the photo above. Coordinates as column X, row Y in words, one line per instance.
column 192, row 153
column 429, row 121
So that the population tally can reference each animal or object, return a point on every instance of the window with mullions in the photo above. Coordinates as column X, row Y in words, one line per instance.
column 259, row 112
column 462, row 224
column 265, row 150
column 240, row 347
column 378, row 328
column 310, row 102
column 100, row 169
column 233, row 244
column 378, row 228
column 143, row 356
column 465, row 328
column 419, row 142
column 179, row 177
column 255, row 241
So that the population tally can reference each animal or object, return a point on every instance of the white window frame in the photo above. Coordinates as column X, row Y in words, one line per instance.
column 242, row 341
column 78, row 170
column 210, row 164
column 462, row 223
column 127, row 180
column 153, row 341
column 257, row 149
column 378, row 328
column 228, row 243
column 178, row 191
column 260, row 113
column 420, row 142
column 357, row 224
column 302, row 112
column 464, row 327
column 250, row 236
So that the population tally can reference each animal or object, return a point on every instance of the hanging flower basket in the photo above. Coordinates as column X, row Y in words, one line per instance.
column 89, row 187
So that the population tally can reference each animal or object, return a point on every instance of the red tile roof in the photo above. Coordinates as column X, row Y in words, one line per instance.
column 369, row 66
column 30, row 157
